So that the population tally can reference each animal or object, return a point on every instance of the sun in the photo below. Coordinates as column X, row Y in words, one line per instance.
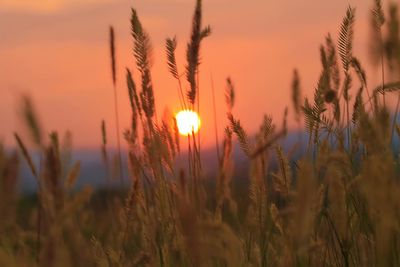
column 188, row 122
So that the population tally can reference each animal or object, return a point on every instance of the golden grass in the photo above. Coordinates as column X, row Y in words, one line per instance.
column 336, row 205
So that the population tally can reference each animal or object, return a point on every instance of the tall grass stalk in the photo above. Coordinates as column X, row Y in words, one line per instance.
column 114, row 80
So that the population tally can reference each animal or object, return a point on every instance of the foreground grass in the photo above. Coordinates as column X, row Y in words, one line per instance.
column 337, row 205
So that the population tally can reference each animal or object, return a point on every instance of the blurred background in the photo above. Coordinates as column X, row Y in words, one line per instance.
column 57, row 52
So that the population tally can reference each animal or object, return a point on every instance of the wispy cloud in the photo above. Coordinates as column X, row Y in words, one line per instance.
column 45, row 6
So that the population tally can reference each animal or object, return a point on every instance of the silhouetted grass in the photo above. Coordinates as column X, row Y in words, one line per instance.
column 336, row 205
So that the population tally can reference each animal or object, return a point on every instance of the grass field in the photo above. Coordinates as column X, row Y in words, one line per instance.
column 337, row 204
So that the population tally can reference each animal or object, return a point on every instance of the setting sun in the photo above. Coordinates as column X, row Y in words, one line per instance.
column 188, row 121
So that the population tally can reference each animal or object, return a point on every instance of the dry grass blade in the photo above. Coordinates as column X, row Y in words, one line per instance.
column 31, row 120
column 132, row 92
column 296, row 94
column 142, row 47
column 312, row 113
column 135, row 108
column 333, row 63
column 346, row 38
column 284, row 180
column 358, row 106
column 268, row 144
column 117, row 129
column 272, row 137
column 392, row 44
column 193, row 51
column 173, row 67
column 378, row 15
column 26, row 155
column 389, row 87
column 142, row 51
column 347, row 83
column 206, row 32
column 355, row 63
column 73, row 175
column 229, row 94
column 103, row 133
column 224, row 177
column 267, row 127
column 309, row 116
column 170, row 47
column 377, row 46
column 240, row 133
column 176, row 134
column 104, row 154
column 112, row 50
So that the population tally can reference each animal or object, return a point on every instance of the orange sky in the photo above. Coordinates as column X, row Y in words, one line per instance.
column 57, row 51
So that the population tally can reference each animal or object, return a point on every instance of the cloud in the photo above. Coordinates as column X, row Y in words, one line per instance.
column 86, row 22
column 44, row 6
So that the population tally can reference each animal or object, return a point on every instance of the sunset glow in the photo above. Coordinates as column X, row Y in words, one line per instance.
column 188, row 121
column 58, row 81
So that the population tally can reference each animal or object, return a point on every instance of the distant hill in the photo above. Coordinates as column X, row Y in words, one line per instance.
column 94, row 173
